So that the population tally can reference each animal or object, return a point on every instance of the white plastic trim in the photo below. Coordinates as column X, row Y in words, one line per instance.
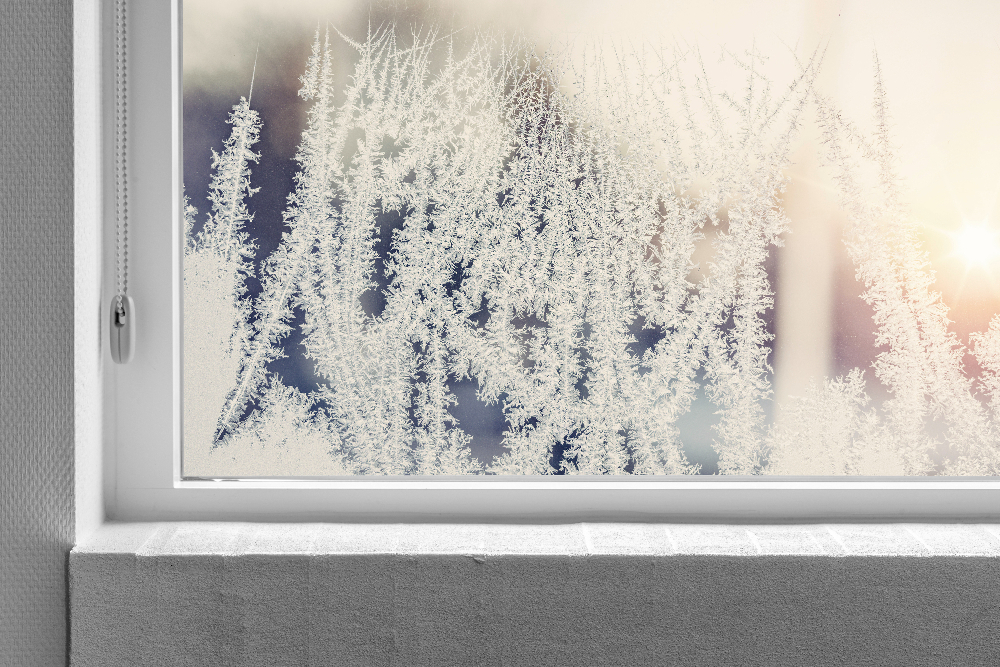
column 88, row 309
column 143, row 400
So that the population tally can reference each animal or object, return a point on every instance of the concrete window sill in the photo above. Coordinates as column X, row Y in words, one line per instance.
column 581, row 539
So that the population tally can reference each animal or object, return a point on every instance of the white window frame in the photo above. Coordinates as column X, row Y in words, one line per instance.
column 142, row 400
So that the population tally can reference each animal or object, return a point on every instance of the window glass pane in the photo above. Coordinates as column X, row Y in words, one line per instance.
column 606, row 238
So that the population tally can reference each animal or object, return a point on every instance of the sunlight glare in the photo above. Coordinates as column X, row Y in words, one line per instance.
column 977, row 245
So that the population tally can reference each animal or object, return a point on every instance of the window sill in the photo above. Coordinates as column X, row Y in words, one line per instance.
column 579, row 539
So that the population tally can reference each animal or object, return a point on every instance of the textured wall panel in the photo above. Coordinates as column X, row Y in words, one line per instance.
column 440, row 610
column 594, row 594
column 36, row 328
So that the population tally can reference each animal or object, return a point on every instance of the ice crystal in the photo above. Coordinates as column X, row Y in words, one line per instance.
column 922, row 361
column 832, row 431
column 547, row 209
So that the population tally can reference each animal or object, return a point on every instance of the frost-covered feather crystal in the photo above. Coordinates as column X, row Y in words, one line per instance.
column 474, row 211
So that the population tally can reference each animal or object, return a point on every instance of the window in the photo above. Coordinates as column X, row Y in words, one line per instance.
column 147, row 392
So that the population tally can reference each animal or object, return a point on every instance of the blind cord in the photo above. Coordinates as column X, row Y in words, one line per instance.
column 121, row 189
column 122, row 329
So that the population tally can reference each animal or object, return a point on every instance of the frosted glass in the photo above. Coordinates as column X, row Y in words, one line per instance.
column 533, row 238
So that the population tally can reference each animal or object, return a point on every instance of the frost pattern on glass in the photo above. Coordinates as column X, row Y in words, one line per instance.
column 548, row 213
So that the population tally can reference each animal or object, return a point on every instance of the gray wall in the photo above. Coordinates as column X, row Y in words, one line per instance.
column 440, row 610
column 247, row 594
column 36, row 328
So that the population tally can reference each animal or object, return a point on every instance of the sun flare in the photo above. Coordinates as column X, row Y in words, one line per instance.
column 977, row 245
